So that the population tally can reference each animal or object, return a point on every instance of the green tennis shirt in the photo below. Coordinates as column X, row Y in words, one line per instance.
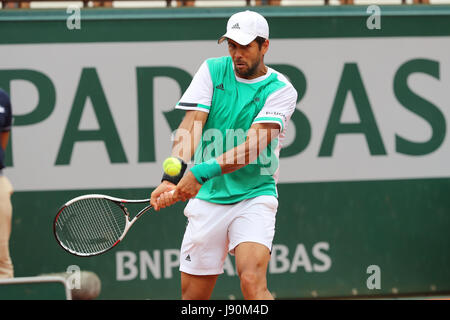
column 234, row 104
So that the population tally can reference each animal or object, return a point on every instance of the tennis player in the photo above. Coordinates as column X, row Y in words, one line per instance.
column 237, row 111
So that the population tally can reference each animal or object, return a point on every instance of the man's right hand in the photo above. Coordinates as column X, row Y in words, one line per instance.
column 165, row 186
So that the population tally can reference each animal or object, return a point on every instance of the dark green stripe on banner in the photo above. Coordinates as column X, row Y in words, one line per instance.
column 173, row 24
column 401, row 226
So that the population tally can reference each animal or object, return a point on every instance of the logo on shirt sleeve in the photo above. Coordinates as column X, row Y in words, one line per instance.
column 275, row 113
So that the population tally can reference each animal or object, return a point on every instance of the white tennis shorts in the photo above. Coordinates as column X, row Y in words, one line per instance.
column 213, row 230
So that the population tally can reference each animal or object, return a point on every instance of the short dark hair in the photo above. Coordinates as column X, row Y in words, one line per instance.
column 260, row 41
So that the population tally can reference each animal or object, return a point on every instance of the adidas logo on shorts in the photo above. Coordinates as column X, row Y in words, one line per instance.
column 188, row 258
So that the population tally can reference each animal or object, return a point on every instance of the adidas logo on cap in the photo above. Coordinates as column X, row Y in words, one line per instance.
column 236, row 26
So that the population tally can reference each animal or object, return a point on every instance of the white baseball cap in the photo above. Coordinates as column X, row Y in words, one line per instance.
column 243, row 27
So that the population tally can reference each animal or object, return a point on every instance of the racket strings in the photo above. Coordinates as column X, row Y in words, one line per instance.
column 89, row 226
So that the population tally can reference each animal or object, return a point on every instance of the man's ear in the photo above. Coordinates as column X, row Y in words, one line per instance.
column 265, row 46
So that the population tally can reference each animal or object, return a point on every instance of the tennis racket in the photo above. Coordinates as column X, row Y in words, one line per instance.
column 92, row 224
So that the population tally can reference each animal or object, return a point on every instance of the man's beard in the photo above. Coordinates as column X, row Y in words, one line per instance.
column 251, row 71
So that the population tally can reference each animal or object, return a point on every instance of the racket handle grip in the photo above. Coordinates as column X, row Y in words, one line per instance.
column 171, row 192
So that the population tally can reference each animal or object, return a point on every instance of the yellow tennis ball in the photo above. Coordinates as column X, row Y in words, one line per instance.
column 172, row 166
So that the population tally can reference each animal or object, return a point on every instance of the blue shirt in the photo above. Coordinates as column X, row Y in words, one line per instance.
column 5, row 120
